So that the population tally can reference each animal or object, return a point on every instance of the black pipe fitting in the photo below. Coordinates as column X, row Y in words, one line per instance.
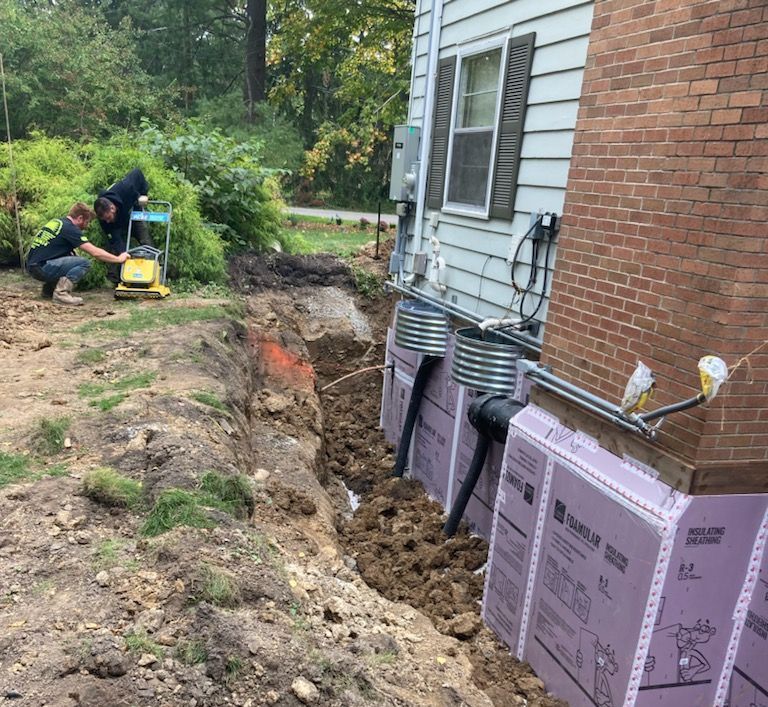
column 490, row 415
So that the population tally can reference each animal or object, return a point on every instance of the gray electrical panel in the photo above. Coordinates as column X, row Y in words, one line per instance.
column 405, row 157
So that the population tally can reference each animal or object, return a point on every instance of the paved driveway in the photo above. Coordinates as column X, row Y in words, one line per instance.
column 391, row 219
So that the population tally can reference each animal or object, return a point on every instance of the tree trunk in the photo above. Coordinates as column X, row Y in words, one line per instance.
column 255, row 54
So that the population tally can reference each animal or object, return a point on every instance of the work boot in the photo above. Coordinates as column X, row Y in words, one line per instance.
column 48, row 288
column 63, row 293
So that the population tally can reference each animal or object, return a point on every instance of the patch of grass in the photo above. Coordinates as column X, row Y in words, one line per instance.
column 140, row 642
column 218, row 587
column 162, row 315
column 119, row 389
column 384, row 658
column 176, row 507
column 341, row 240
column 13, row 468
column 90, row 356
column 207, row 398
column 108, row 555
column 299, row 622
column 191, row 652
column 43, row 587
column 233, row 493
column 111, row 401
column 48, row 437
column 106, row 486
column 233, row 669
column 140, row 380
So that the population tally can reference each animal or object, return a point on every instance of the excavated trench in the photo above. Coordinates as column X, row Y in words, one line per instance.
column 321, row 334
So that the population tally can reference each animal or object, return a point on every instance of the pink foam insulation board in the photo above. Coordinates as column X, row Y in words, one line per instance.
column 434, row 430
column 617, row 589
column 432, row 449
column 748, row 683
column 523, row 485
column 694, row 625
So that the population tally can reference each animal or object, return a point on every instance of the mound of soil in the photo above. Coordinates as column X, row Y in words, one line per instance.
column 251, row 273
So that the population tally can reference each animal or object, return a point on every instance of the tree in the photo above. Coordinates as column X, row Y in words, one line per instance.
column 70, row 74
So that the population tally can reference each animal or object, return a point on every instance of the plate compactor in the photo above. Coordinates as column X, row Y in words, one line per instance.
column 143, row 275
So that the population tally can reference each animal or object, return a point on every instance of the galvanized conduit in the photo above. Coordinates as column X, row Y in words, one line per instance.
column 584, row 399
column 463, row 314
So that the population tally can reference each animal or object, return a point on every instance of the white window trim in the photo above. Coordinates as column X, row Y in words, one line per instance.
column 464, row 51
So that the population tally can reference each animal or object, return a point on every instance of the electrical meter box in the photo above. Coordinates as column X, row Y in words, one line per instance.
column 405, row 156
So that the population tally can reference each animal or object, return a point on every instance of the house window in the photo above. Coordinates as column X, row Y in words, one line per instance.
column 475, row 153
column 474, row 129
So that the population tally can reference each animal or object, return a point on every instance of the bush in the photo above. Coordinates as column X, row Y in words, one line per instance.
column 238, row 197
column 53, row 173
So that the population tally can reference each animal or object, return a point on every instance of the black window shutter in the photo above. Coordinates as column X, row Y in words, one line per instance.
column 441, row 132
column 513, row 104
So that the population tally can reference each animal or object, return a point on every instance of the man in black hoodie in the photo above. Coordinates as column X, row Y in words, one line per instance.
column 113, row 208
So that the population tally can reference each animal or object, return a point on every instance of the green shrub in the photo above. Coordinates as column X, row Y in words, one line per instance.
column 235, row 193
column 53, row 173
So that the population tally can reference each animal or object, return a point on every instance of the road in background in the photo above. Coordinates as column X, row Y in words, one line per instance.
column 391, row 219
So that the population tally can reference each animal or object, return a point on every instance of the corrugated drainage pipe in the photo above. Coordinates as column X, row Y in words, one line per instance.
column 490, row 415
column 419, row 385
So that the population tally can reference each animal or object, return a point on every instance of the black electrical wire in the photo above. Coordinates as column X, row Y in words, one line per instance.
column 517, row 252
column 543, row 289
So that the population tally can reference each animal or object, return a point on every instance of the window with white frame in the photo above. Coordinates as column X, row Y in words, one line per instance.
column 476, row 139
column 474, row 130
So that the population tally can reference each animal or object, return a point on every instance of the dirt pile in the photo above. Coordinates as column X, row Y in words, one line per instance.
column 205, row 602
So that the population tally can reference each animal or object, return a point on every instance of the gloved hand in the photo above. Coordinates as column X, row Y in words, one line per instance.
column 143, row 200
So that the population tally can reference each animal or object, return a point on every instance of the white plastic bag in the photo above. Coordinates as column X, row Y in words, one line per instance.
column 639, row 388
column 713, row 373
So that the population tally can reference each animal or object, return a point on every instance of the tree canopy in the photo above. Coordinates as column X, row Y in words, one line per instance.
column 327, row 79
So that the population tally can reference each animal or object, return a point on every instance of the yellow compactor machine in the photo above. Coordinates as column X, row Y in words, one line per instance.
column 143, row 275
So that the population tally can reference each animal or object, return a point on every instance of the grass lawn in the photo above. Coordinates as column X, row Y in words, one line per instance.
column 319, row 235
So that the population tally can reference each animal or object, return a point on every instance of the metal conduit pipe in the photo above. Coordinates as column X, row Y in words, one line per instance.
column 463, row 314
column 538, row 373
column 419, row 385
column 599, row 406
column 490, row 415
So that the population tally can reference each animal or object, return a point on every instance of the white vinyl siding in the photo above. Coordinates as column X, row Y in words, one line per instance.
column 476, row 249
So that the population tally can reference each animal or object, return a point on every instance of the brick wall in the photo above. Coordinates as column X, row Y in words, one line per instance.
column 663, row 254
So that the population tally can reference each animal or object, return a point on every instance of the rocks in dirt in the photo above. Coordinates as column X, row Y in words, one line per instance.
column 102, row 578
column 106, row 657
column 305, row 691
column 150, row 620
column 464, row 626
column 275, row 403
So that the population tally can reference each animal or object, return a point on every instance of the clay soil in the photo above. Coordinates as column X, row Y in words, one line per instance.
column 323, row 605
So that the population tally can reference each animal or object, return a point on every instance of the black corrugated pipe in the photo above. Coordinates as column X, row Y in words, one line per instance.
column 419, row 384
column 490, row 415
